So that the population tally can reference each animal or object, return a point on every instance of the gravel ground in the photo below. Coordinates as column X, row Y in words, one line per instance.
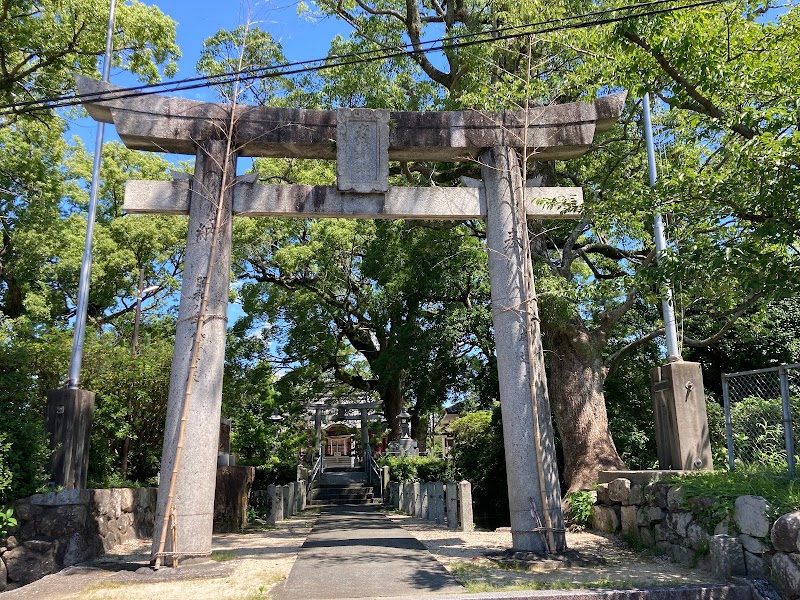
column 605, row 560
column 248, row 565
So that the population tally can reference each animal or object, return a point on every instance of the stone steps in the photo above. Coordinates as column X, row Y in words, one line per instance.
column 342, row 478
column 342, row 486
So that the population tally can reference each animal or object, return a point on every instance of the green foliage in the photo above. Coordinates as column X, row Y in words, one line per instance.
column 407, row 469
column 7, row 521
column 5, row 470
column 758, row 431
column 43, row 45
column 767, row 337
column 630, row 405
column 131, row 402
column 373, row 307
column 718, row 490
column 432, row 468
column 579, row 508
column 245, row 46
column 32, row 363
column 401, row 468
column 478, row 456
column 716, row 433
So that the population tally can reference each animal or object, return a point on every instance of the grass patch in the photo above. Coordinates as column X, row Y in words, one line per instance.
column 223, row 556
column 101, row 586
column 782, row 493
column 475, row 578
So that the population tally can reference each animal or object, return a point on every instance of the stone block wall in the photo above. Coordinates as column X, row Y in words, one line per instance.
column 61, row 529
column 744, row 542
column 441, row 503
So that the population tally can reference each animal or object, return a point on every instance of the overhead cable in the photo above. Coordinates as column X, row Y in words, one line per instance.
column 644, row 9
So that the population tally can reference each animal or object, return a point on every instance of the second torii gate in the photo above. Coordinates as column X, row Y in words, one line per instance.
column 363, row 141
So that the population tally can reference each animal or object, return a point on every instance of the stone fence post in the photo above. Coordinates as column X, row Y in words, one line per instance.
column 303, row 495
column 288, row 501
column 385, row 483
column 425, row 496
column 395, row 494
column 274, row 504
column 451, row 497
column 417, row 507
column 465, row 506
column 438, row 503
column 408, row 498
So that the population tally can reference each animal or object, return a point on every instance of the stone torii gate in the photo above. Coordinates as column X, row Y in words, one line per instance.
column 362, row 141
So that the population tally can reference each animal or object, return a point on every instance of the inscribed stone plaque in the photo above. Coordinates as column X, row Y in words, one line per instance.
column 362, row 150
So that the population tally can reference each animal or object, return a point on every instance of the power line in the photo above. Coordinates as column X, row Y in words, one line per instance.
column 360, row 57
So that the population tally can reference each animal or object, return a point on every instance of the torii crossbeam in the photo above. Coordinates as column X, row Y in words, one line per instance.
column 363, row 141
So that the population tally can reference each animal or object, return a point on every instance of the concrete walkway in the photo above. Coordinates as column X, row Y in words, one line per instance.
column 357, row 552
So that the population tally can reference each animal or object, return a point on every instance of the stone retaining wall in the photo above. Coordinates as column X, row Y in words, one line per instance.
column 441, row 503
column 60, row 529
column 744, row 542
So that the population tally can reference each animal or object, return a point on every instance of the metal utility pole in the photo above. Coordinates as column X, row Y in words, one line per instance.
column 86, row 264
column 667, row 309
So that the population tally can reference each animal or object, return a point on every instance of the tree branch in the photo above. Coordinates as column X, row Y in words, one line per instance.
column 708, row 107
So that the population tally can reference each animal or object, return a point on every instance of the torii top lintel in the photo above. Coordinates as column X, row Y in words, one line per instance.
column 176, row 125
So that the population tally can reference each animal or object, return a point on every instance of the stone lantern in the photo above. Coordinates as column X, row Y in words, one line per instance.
column 405, row 424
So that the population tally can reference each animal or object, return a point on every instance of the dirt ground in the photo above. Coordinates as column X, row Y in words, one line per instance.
column 476, row 559
column 248, row 565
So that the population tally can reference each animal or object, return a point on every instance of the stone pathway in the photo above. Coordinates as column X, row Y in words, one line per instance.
column 357, row 552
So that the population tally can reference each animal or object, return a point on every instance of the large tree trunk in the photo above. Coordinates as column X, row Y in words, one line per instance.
column 392, row 397
column 577, row 375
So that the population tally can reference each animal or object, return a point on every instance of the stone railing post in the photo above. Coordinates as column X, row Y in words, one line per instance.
column 274, row 504
column 385, row 483
column 451, row 497
column 408, row 498
column 425, row 497
column 303, row 493
column 438, row 503
column 395, row 494
column 465, row 506
column 287, row 506
column 417, row 508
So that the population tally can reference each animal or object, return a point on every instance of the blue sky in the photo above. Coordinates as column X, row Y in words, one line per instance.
column 302, row 38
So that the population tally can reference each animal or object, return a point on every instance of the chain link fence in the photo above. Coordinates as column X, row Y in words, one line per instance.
column 760, row 409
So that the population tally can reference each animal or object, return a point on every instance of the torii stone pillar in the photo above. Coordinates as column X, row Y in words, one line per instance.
column 196, row 477
column 364, row 432
column 534, row 496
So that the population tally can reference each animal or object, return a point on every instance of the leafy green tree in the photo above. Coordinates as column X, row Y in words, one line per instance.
column 131, row 403
column 478, row 456
column 41, row 48
column 735, row 247
column 361, row 305
column 766, row 338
